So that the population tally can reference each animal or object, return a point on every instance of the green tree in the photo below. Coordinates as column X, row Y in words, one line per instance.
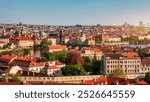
column 118, row 73
column 6, row 46
column 26, row 51
column 94, row 68
column 73, row 70
column 48, row 56
column 2, row 79
column 98, row 41
column 94, row 58
column 52, row 57
column 6, row 52
column 147, row 77
column 15, row 79
column 42, row 71
column 97, row 67
column 88, row 67
column 61, row 55
column 86, row 59
column 45, row 43
column 78, row 41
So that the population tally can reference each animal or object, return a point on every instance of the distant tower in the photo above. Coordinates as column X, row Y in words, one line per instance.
column 125, row 25
column 23, row 31
column 102, row 38
column 147, row 24
column 4, row 31
column 61, row 34
column 141, row 23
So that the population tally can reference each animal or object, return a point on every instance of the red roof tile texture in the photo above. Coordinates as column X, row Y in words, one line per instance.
column 57, row 47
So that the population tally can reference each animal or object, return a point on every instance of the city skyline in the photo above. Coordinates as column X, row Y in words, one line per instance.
column 70, row 12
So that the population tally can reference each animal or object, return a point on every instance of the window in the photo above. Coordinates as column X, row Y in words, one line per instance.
column 121, row 61
column 108, row 61
column 107, row 71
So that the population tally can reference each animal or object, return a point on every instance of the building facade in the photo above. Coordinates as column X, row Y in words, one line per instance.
column 129, row 62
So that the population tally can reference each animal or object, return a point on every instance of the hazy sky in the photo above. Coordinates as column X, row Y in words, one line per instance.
column 68, row 12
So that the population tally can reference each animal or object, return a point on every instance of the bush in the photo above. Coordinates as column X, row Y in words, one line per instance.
column 15, row 79
column 2, row 79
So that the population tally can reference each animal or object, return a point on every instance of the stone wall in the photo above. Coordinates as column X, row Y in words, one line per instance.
column 69, row 79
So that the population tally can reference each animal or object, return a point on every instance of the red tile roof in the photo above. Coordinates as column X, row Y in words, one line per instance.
column 113, row 81
column 25, row 63
column 7, row 57
column 145, row 61
column 27, row 58
column 20, row 38
column 130, row 55
column 1, row 42
column 58, row 63
column 57, row 47
column 10, row 83
column 142, row 83
column 92, row 49
column 50, row 67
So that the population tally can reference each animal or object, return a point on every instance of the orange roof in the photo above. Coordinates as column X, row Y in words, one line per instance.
column 57, row 47
column 145, row 61
column 8, row 57
column 92, row 49
column 50, row 67
column 25, row 63
column 10, row 83
column 58, row 63
column 20, row 38
column 142, row 83
column 27, row 58
column 113, row 81
column 1, row 42
column 130, row 55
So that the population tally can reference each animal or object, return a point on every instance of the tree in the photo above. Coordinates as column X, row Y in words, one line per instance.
column 73, row 57
column 61, row 55
column 57, row 55
column 72, row 70
column 94, row 58
column 48, row 56
column 6, row 46
column 26, row 51
column 86, row 59
column 52, row 57
column 97, row 67
column 78, row 41
column 15, row 79
column 2, row 79
column 118, row 73
column 42, row 71
column 147, row 77
column 98, row 41
column 94, row 67
column 45, row 43
column 88, row 67
column 6, row 52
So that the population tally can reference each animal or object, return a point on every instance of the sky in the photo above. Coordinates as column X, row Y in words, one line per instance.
column 71, row 12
